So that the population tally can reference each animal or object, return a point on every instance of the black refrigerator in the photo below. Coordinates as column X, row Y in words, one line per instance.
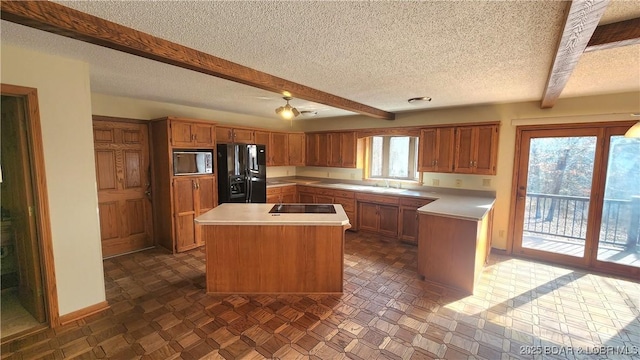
column 242, row 173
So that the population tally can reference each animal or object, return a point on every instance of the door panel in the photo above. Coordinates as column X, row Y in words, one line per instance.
column 207, row 193
column 554, row 189
column 388, row 220
column 368, row 217
column 618, row 243
column 122, row 170
column 105, row 168
column 132, row 164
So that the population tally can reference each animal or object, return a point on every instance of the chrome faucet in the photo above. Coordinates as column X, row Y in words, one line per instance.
column 386, row 183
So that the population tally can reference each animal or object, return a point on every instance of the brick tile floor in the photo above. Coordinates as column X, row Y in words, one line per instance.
column 159, row 310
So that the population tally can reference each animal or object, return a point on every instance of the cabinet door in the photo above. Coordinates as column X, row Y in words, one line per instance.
column 324, row 199
column 368, row 217
column 224, row 135
column 409, row 224
column 243, row 136
column 306, row 198
column 388, row 220
column 279, row 148
column 274, row 199
column 203, row 135
column 185, row 212
column 289, row 198
column 445, row 140
column 262, row 138
column 486, row 150
column 464, row 150
column 311, row 149
column 207, row 194
column 296, row 149
column 348, row 149
column 334, row 157
column 181, row 133
column 323, row 149
column 427, row 153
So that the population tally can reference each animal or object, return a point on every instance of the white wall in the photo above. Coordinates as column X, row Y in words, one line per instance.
column 64, row 99
column 108, row 105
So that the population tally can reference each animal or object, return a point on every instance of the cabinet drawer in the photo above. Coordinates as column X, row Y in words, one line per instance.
column 380, row 199
column 291, row 189
column 328, row 192
column 307, row 189
column 416, row 203
column 274, row 191
column 344, row 194
column 347, row 204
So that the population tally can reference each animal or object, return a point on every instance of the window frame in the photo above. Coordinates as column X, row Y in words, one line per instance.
column 386, row 144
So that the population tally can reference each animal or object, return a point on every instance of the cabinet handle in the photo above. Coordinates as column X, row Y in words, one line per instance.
column 193, row 184
column 197, row 185
column 470, row 163
column 436, row 162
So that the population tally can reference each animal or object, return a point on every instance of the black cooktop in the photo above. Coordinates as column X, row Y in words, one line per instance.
column 303, row 209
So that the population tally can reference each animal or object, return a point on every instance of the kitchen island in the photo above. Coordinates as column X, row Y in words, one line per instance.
column 250, row 250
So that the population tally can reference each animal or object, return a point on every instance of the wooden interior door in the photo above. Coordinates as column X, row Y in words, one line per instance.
column 19, row 199
column 122, row 173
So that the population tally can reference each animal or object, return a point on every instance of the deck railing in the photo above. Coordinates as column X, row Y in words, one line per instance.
column 567, row 217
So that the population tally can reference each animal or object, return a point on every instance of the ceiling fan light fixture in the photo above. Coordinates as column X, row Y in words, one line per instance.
column 417, row 100
column 287, row 111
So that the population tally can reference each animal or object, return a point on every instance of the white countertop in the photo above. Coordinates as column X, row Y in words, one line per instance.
column 258, row 214
column 466, row 207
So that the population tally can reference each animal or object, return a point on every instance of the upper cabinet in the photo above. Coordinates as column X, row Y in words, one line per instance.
column 296, row 149
column 191, row 134
column 471, row 149
column 227, row 135
column 335, row 149
column 436, row 149
column 476, row 150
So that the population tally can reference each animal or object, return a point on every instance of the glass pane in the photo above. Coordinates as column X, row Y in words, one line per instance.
column 557, row 197
column 376, row 156
column 620, row 225
column 398, row 157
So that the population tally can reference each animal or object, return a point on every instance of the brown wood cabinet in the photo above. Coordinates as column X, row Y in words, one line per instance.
column 457, row 262
column 436, row 149
column 193, row 196
column 228, row 135
column 296, row 149
column 334, row 149
column 342, row 149
column 408, row 231
column 476, row 150
column 306, row 195
column 378, row 213
column 282, row 194
column 191, row 134
column 177, row 200
column 262, row 138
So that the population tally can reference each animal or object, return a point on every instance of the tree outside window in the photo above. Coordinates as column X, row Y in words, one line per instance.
column 394, row 157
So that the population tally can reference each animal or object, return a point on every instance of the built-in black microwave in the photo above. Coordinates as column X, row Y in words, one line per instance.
column 192, row 162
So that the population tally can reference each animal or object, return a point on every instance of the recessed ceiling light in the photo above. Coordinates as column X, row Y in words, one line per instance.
column 308, row 113
column 417, row 100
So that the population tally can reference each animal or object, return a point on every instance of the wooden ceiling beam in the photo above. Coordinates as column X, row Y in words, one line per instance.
column 614, row 35
column 61, row 20
column 582, row 19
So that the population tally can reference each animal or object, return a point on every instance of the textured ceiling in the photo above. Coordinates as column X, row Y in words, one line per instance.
column 376, row 53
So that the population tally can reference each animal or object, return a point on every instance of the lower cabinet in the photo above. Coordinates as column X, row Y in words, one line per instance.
column 282, row 194
column 408, row 231
column 382, row 219
column 192, row 196
column 306, row 195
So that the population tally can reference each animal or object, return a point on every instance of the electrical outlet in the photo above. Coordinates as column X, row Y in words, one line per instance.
column 486, row 182
column 458, row 182
column 435, row 182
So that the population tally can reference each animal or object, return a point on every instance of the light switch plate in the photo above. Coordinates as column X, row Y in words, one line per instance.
column 486, row 182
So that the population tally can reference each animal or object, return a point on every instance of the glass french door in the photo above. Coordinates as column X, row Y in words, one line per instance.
column 577, row 197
